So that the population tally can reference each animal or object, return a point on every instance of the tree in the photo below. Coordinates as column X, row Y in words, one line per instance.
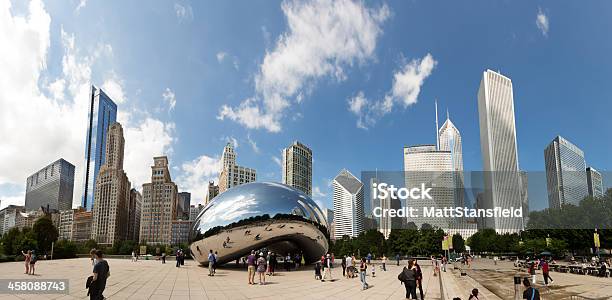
column 45, row 233
column 65, row 249
column 458, row 243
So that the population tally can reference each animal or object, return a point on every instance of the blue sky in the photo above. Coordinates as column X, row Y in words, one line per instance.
column 190, row 74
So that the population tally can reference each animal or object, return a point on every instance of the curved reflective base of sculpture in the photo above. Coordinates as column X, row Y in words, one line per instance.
column 253, row 216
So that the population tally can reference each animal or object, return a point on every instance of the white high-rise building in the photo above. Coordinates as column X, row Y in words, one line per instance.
column 499, row 150
column 348, row 205
column 594, row 182
column 297, row 167
column 424, row 164
column 450, row 140
column 566, row 176
column 231, row 173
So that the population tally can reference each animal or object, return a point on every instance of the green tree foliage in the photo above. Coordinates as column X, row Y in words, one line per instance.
column 65, row 249
column 45, row 233
column 458, row 243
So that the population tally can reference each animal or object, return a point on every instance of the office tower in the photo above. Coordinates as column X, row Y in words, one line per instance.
column 348, row 205
column 52, row 185
column 594, row 182
column 525, row 195
column 159, row 202
column 134, row 211
column 232, row 174
column 183, row 205
column 194, row 211
column 423, row 164
column 450, row 140
column 499, row 150
column 566, row 176
column 8, row 216
column 180, row 231
column 297, row 167
column 112, row 193
column 213, row 191
column 102, row 113
column 329, row 216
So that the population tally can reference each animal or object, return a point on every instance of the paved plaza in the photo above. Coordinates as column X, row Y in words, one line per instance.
column 149, row 279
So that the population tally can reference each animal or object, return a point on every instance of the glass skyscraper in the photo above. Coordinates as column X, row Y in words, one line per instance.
column 51, row 187
column 566, row 177
column 102, row 113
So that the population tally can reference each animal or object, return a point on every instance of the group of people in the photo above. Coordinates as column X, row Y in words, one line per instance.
column 30, row 259
column 543, row 264
column 212, row 262
column 257, row 264
column 180, row 258
column 412, row 278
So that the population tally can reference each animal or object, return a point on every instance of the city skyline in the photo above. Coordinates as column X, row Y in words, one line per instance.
column 164, row 116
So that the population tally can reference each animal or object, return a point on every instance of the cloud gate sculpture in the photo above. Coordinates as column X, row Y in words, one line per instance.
column 259, row 215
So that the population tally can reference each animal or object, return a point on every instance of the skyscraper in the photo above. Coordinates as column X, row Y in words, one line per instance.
column 102, row 113
column 348, row 205
column 52, row 185
column 213, row 191
column 297, row 167
column 134, row 212
column 450, row 140
column 112, row 193
column 159, row 203
column 594, row 182
column 499, row 150
column 232, row 174
column 423, row 164
column 566, row 176
column 183, row 203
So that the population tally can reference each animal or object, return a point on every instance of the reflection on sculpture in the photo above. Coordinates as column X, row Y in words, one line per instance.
column 259, row 215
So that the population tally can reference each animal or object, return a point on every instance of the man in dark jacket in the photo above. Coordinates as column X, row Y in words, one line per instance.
column 101, row 272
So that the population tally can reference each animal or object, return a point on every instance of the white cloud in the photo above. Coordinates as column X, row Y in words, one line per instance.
column 232, row 140
column 277, row 161
column 253, row 144
column 323, row 38
column 43, row 119
column 196, row 174
column 81, row 5
column 221, row 56
column 542, row 22
column 183, row 12
column 406, row 88
column 317, row 193
column 170, row 98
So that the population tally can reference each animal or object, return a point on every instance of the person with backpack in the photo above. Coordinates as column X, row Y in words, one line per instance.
column 33, row 260
column 363, row 267
column 211, row 263
column 408, row 278
column 530, row 293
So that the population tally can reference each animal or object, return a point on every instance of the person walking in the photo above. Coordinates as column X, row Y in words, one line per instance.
column 408, row 277
column 27, row 257
column 261, row 268
column 272, row 263
column 214, row 265
column 101, row 272
column 163, row 258
column 211, row 263
column 419, row 277
column 373, row 270
column 178, row 258
column 92, row 256
column 327, row 268
column 532, row 272
column 251, row 262
column 343, row 264
column 384, row 263
column 363, row 267
column 397, row 258
column 545, row 271
column 369, row 258
column 349, row 267
column 530, row 293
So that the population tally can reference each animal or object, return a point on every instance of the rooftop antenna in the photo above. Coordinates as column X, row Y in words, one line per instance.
column 447, row 117
column 437, row 135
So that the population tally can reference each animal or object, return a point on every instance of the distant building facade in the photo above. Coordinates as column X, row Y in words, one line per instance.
column 566, row 176
column 232, row 174
column 180, row 231
column 194, row 211
column 8, row 217
column 51, row 187
column 184, row 202
column 159, row 203
column 594, row 182
column 102, row 113
column 348, row 205
column 297, row 167
column 213, row 191
column 112, row 193
column 134, row 211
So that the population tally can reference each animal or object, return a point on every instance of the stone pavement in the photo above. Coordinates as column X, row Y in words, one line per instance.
column 152, row 280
